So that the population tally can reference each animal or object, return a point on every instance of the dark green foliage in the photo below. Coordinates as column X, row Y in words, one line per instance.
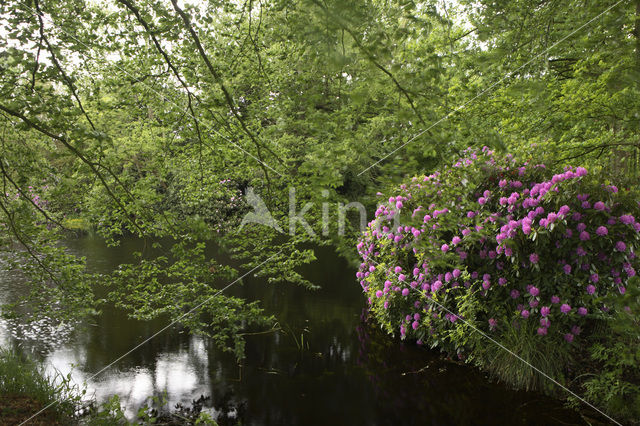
column 614, row 356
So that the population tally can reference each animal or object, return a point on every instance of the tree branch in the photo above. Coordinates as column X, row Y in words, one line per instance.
column 372, row 59
column 66, row 79
column 78, row 154
column 227, row 95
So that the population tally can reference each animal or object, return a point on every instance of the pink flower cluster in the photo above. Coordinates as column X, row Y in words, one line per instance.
column 533, row 246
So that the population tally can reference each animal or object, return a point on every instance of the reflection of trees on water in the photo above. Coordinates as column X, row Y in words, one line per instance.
column 39, row 336
column 419, row 386
column 350, row 372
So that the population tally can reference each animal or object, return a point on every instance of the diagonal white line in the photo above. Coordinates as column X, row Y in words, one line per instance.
column 459, row 107
column 207, row 299
column 189, row 312
column 165, row 98
column 445, row 118
column 373, row 165
column 482, row 333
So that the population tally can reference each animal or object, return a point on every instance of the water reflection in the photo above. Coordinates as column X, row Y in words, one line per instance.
column 326, row 365
column 5, row 336
column 39, row 336
column 176, row 375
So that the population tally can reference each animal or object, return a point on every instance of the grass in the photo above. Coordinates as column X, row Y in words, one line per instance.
column 25, row 389
column 544, row 354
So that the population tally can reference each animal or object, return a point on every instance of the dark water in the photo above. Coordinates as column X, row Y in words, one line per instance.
column 328, row 366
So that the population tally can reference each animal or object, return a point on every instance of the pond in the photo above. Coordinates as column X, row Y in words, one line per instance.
column 327, row 366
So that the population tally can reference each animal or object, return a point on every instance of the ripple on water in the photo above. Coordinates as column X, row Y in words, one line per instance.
column 41, row 336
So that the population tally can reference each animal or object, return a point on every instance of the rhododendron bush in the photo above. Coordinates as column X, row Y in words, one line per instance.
column 491, row 244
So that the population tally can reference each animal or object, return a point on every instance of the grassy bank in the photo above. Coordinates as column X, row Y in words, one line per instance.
column 25, row 389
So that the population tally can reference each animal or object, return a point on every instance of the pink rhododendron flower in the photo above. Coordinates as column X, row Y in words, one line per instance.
column 627, row 219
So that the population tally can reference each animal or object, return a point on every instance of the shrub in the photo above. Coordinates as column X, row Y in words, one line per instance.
column 493, row 248
column 614, row 381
